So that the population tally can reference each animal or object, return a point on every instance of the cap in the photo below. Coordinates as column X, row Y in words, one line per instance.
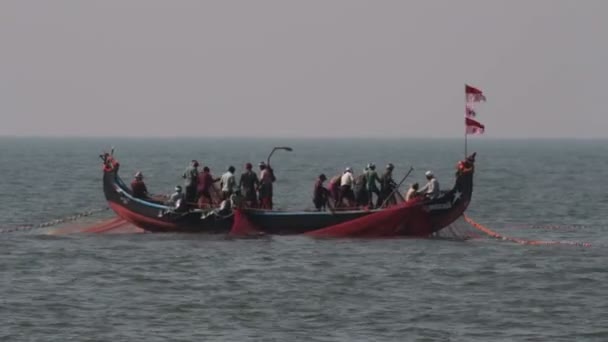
column 139, row 175
column 348, row 169
column 428, row 173
column 390, row 166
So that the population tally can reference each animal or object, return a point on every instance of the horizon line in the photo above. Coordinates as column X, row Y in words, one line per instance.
column 390, row 137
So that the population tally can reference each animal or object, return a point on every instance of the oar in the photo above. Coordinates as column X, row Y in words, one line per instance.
column 284, row 148
column 397, row 187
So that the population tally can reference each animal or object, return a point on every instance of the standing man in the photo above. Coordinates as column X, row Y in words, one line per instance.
column 387, row 185
column 228, row 183
column 320, row 194
column 248, row 183
column 371, row 178
column 265, row 188
column 346, row 187
column 204, row 187
column 190, row 181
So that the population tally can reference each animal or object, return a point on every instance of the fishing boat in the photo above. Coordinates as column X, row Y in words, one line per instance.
column 419, row 217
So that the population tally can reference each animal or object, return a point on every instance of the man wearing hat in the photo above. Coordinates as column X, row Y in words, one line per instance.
column 431, row 189
column 138, row 187
column 346, row 187
column 176, row 198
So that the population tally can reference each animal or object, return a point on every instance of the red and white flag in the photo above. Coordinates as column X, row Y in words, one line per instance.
column 473, row 126
column 473, row 94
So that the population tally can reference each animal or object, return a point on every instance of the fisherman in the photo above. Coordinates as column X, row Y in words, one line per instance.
column 248, row 183
column 228, row 183
column 387, row 185
column 204, row 185
column 334, row 189
column 360, row 189
column 346, row 187
column 320, row 194
column 412, row 192
column 431, row 189
column 176, row 198
column 190, row 183
column 138, row 187
column 265, row 188
column 234, row 201
column 372, row 188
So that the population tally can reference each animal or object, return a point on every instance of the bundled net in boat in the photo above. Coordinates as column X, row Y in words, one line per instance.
column 404, row 219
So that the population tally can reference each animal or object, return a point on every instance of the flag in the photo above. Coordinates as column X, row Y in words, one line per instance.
column 473, row 94
column 473, row 126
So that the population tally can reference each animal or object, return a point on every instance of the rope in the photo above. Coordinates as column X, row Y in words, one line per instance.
column 54, row 222
column 496, row 235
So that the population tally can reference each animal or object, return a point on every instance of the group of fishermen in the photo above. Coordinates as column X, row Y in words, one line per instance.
column 199, row 187
column 344, row 190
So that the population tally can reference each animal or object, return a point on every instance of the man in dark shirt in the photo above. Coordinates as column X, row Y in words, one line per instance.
column 248, row 183
column 387, row 185
column 138, row 187
column 320, row 193
column 190, row 181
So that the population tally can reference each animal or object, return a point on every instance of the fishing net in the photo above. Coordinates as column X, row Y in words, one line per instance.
column 242, row 226
column 491, row 233
column 405, row 219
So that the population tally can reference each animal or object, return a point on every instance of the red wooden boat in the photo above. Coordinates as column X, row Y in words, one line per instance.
column 420, row 217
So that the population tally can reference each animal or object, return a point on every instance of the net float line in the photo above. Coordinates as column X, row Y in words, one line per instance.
column 106, row 226
column 496, row 235
column 55, row 222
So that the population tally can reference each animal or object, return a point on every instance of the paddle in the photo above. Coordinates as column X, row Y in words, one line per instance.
column 396, row 188
column 283, row 148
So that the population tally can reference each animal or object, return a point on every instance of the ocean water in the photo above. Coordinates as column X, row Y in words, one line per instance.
column 159, row 287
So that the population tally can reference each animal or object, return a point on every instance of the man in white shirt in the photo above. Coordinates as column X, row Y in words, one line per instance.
column 346, row 187
column 228, row 183
column 431, row 189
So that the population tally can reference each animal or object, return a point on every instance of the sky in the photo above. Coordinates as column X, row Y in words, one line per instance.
column 314, row 68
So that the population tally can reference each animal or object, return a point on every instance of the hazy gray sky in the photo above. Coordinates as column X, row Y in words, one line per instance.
column 302, row 68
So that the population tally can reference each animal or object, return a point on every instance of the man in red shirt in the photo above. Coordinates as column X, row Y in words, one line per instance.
column 138, row 187
column 204, row 187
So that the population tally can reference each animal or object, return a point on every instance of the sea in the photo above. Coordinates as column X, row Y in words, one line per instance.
column 180, row 287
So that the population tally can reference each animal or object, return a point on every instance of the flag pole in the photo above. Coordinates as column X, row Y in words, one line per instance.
column 465, row 123
column 465, row 142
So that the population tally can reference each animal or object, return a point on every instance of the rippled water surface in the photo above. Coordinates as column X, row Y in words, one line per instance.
column 159, row 287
